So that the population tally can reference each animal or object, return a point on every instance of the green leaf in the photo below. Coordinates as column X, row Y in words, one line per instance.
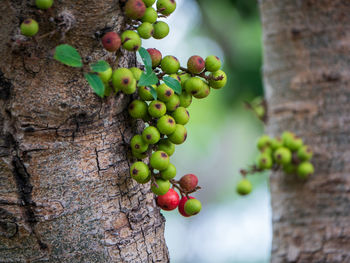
column 148, row 79
column 153, row 92
column 173, row 83
column 68, row 55
column 95, row 83
column 146, row 58
column 100, row 66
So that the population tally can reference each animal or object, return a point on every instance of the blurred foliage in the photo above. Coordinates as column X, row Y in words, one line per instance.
column 235, row 26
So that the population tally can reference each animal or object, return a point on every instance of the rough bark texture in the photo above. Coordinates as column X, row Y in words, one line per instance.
column 307, row 74
column 65, row 190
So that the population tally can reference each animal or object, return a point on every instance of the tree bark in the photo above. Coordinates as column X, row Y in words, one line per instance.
column 65, row 190
column 306, row 75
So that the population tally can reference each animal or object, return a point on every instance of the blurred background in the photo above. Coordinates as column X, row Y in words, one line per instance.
column 222, row 136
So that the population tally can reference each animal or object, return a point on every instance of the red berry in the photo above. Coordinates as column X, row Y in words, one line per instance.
column 195, row 64
column 135, row 9
column 156, row 56
column 181, row 206
column 188, row 182
column 111, row 41
column 169, row 201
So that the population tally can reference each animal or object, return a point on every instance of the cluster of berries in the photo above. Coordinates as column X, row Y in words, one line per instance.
column 287, row 152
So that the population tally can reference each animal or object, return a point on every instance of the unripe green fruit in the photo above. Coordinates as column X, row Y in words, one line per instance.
column 289, row 168
column 276, row 143
column 151, row 135
column 259, row 111
column 156, row 109
column 139, row 172
column 138, row 145
column 179, row 135
column 145, row 93
column 212, row 63
column 29, row 27
column 108, row 90
column 286, row 136
column 305, row 169
column 131, row 40
column 145, row 30
column 149, row 2
column 169, row 173
column 156, row 56
column 265, row 161
column 203, row 92
column 136, row 72
column 139, row 156
column 195, row 64
column 167, row 146
column 43, row 4
column 106, row 75
column 163, row 187
column 183, row 77
column 264, row 141
column 304, row 153
column 150, row 15
column 266, row 150
column 175, row 76
column 192, row 207
column 166, row 7
column 294, row 143
column 283, row 156
column 159, row 160
column 244, row 187
column 122, row 78
column 164, row 92
column 170, row 64
column 173, row 103
column 160, row 30
column 131, row 89
column 166, row 125
column 138, row 109
column 217, row 84
column 185, row 99
column 181, row 115
column 135, row 9
column 193, row 85
column 111, row 41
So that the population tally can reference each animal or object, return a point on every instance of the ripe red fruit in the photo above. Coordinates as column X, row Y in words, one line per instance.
column 195, row 64
column 111, row 41
column 135, row 9
column 181, row 206
column 156, row 56
column 169, row 201
column 188, row 182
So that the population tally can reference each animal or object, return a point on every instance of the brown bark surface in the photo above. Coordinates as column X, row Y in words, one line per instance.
column 307, row 73
column 65, row 190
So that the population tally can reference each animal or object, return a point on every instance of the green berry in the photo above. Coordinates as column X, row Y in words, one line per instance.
column 160, row 30
column 138, row 109
column 286, row 136
column 131, row 40
column 276, row 143
column 185, row 99
column 215, row 82
column 167, row 146
column 179, row 135
column 166, row 7
column 244, row 187
column 131, row 89
column 106, row 75
column 145, row 30
column 195, row 64
column 29, row 27
column 166, row 125
column 192, row 207
column 145, row 93
column 175, row 76
column 264, row 141
column 183, row 77
column 173, row 103
column 108, row 89
column 149, row 2
column 139, row 172
column 122, row 79
column 304, row 153
column 181, row 115
column 150, row 15
column 159, row 160
column 203, row 92
column 139, row 156
column 164, row 92
column 169, row 173
column 136, row 73
column 135, row 9
column 170, row 64
column 138, row 145
column 156, row 109
column 265, row 161
column 294, row 143
column 43, row 4
column 161, row 188
column 151, row 135
column 156, row 56
column 305, row 169
column 193, row 85
column 283, row 155
column 212, row 63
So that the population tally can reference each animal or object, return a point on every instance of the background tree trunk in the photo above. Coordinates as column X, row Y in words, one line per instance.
column 65, row 190
column 307, row 72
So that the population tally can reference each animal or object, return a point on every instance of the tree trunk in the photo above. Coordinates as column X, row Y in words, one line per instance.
column 306, row 74
column 65, row 190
